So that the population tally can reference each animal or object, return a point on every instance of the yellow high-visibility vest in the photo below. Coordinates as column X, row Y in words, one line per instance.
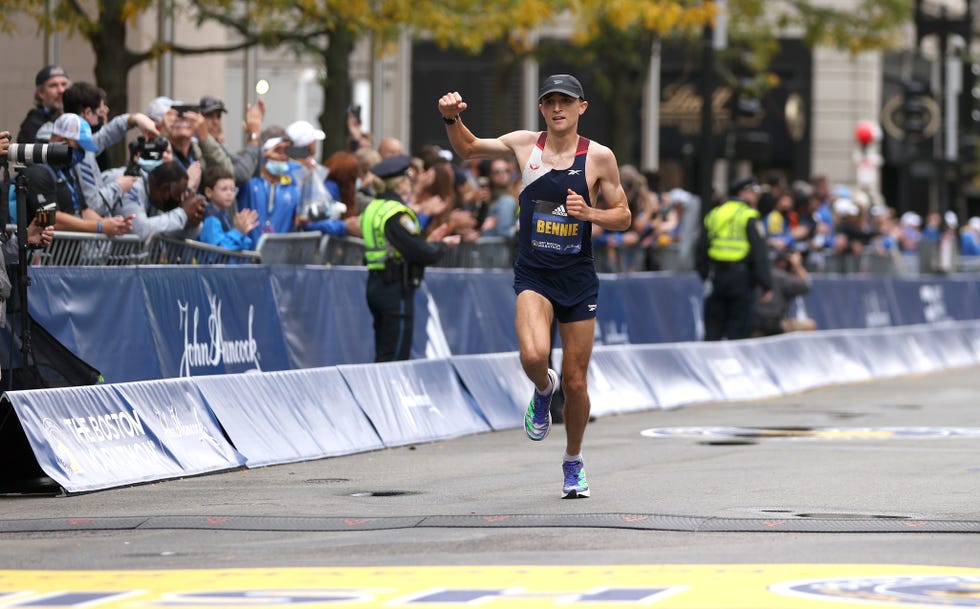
column 726, row 224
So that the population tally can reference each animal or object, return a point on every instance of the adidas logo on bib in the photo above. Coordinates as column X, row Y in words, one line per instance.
column 560, row 211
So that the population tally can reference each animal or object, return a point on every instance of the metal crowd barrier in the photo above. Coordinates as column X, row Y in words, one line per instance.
column 161, row 249
column 342, row 251
column 90, row 249
column 290, row 248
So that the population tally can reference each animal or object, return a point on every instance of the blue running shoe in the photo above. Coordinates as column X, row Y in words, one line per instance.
column 576, row 485
column 537, row 419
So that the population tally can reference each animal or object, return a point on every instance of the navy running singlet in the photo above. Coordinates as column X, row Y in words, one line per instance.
column 554, row 255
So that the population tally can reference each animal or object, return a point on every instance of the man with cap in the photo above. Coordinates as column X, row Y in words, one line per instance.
column 57, row 184
column 50, row 82
column 564, row 174
column 246, row 161
column 396, row 255
column 732, row 258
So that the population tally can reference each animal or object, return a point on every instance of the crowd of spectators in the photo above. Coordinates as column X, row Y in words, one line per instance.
column 183, row 181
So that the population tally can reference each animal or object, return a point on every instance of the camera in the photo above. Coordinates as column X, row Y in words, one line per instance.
column 39, row 154
column 45, row 215
column 149, row 150
column 182, row 108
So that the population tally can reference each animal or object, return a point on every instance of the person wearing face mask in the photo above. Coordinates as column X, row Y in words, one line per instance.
column 274, row 194
column 58, row 184
column 88, row 101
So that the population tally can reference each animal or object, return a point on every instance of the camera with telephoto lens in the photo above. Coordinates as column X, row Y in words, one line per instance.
column 39, row 154
column 147, row 150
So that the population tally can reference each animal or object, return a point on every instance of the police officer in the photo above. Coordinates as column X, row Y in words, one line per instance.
column 732, row 258
column 396, row 255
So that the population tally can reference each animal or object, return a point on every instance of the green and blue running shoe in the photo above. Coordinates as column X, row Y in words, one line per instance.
column 576, row 485
column 537, row 419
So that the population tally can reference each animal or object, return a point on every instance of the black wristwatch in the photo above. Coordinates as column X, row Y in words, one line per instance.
column 450, row 120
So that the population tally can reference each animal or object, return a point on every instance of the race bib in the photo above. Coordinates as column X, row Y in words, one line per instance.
column 554, row 230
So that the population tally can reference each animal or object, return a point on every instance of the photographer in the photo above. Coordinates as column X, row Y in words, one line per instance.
column 36, row 233
column 245, row 162
column 181, row 124
column 166, row 202
column 789, row 280
column 48, row 183
column 88, row 101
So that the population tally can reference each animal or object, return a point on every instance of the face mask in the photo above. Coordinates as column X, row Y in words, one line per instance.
column 149, row 165
column 357, row 184
column 77, row 156
column 277, row 168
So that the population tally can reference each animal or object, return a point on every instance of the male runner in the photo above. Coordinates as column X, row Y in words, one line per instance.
column 554, row 274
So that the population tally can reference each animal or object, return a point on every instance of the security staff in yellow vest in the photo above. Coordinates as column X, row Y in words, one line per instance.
column 396, row 255
column 732, row 259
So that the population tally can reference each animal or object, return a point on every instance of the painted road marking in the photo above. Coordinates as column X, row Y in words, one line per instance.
column 804, row 586
column 814, row 433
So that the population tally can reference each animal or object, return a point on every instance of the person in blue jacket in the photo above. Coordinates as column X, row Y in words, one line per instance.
column 222, row 226
column 274, row 194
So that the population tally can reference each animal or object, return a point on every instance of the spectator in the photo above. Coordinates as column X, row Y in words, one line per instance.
column 343, row 183
column 371, row 185
column 501, row 220
column 970, row 238
column 319, row 211
column 222, row 226
column 181, row 125
column 88, row 101
column 389, row 146
column 789, row 280
column 246, row 161
column 167, row 202
column 687, row 208
column 274, row 194
column 644, row 205
column 50, row 83
column 58, row 183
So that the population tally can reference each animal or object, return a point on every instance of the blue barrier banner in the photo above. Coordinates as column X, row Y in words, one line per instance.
column 283, row 417
column 103, row 436
column 324, row 315
column 662, row 308
column 216, row 320
column 100, row 315
column 500, row 389
column 617, row 384
column 612, row 326
column 410, row 402
column 933, row 300
column 669, row 377
column 476, row 308
column 151, row 322
column 852, row 302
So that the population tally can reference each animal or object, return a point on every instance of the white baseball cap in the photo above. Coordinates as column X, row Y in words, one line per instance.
column 302, row 133
column 76, row 128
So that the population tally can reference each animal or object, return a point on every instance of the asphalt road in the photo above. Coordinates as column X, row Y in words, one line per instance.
column 880, row 473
